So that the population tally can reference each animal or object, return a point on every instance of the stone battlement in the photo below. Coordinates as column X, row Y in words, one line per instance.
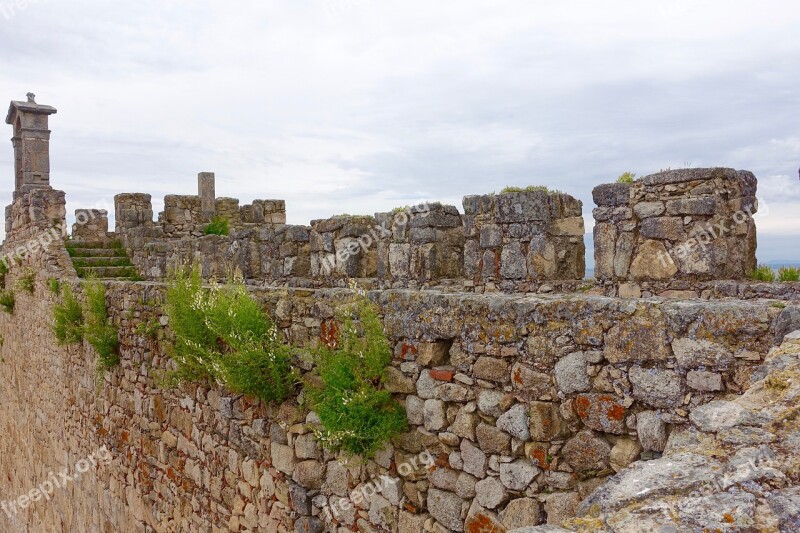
column 522, row 409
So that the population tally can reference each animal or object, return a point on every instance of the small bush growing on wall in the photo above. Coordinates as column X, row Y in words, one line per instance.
column 763, row 273
column 3, row 271
column 218, row 226
column 626, row 177
column 54, row 285
column 27, row 281
column 7, row 301
column 103, row 336
column 68, row 319
column 529, row 188
column 357, row 415
column 789, row 274
column 223, row 335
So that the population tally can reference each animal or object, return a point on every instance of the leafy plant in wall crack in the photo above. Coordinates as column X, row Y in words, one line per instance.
column 27, row 281
column 97, row 330
column 358, row 416
column 789, row 274
column 7, row 301
column 54, row 285
column 68, row 319
column 218, row 226
column 763, row 273
column 221, row 334
column 3, row 271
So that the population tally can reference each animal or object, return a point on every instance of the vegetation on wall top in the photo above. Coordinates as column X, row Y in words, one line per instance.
column 358, row 416
column 218, row 226
column 221, row 334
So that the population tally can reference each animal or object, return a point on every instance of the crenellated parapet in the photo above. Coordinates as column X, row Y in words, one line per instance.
column 686, row 226
column 679, row 233
column 420, row 244
column 344, row 247
column 517, row 238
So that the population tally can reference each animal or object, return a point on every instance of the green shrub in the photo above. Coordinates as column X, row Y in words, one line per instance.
column 3, row 271
column 529, row 188
column 357, row 416
column 7, row 301
column 763, row 273
column 626, row 177
column 68, row 319
column 27, row 281
column 789, row 274
column 222, row 334
column 97, row 330
column 218, row 226
column 54, row 285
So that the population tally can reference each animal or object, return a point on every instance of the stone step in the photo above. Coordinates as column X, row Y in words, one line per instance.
column 107, row 272
column 101, row 261
column 96, row 252
column 93, row 244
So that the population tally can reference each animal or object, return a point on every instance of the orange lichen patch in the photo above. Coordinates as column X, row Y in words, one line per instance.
column 481, row 523
column 442, row 460
column 728, row 518
column 442, row 375
column 124, row 437
column 408, row 351
column 517, row 376
column 329, row 334
column 615, row 411
column 540, row 456
column 582, row 405
column 601, row 412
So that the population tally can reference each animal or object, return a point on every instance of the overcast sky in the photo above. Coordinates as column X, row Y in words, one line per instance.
column 360, row 106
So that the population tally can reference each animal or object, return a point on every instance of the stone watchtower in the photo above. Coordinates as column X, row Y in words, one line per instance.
column 35, row 201
column 31, row 144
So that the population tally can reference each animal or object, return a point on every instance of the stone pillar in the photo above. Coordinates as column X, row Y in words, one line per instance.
column 207, row 192
column 91, row 225
column 132, row 210
column 344, row 247
column 687, row 225
column 519, row 238
column 31, row 143
column 420, row 244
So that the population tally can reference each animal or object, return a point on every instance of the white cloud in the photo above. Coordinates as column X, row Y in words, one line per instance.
column 362, row 105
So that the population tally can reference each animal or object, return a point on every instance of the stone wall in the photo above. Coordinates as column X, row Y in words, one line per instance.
column 516, row 238
column 524, row 403
column 90, row 225
column 182, row 215
column 520, row 242
column 344, row 247
column 686, row 226
column 421, row 244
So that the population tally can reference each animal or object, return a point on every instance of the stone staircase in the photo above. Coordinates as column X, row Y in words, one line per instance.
column 101, row 260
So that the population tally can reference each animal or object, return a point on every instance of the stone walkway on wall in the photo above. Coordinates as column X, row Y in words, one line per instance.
column 101, row 260
column 735, row 468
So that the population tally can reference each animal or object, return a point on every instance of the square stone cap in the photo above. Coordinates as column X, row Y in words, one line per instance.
column 28, row 107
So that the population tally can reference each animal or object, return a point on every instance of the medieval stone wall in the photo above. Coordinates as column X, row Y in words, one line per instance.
column 519, row 406
column 683, row 226
column 519, row 237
